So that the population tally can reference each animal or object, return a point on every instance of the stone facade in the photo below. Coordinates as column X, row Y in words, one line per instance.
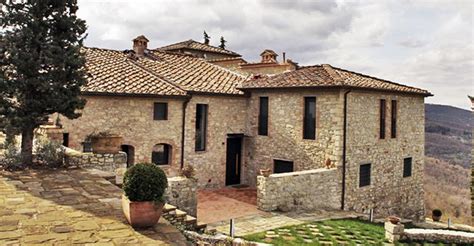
column 285, row 131
column 181, row 192
column 306, row 190
column 389, row 193
column 132, row 119
column 226, row 115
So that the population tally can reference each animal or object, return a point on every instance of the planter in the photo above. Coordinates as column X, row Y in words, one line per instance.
column 141, row 214
column 436, row 215
column 436, row 218
column 265, row 172
column 106, row 144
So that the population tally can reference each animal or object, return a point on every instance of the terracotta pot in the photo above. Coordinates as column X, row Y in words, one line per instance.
column 106, row 144
column 394, row 220
column 265, row 172
column 141, row 214
column 436, row 218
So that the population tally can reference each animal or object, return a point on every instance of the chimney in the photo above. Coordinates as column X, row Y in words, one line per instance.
column 284, row 57
column 140, row 45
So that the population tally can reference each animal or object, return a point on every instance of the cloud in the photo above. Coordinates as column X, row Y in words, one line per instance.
column 425, row 44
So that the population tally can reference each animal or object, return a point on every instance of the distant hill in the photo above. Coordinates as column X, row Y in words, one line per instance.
column 448, row 143
column 448, row 134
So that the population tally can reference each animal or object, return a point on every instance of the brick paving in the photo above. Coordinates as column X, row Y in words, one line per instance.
column 216, row 205
column 61, row 207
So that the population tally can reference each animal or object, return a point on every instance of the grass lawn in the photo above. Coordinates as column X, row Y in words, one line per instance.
column 329, row 232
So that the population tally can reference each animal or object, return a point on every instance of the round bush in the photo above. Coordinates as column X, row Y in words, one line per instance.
column 145, row 182
column 437, row 213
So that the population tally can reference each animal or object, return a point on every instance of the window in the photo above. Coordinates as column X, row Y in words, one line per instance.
column 263, row 117
column 364, row 175
column 393, row 130
column 280, row 166
column 201, row 127
column 382, row 118
column 161, row 154
column 309, row 121
column 160, row 111
column 407, row 167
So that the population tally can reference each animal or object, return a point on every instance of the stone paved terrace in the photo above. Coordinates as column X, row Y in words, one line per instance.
column 61, row 207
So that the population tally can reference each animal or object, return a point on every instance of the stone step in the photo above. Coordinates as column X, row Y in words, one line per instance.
column 168, row 208
column 200, row 225
column 190, row 220
column 180, row 213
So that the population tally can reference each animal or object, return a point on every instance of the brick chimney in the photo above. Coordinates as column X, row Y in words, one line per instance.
column 140, row 45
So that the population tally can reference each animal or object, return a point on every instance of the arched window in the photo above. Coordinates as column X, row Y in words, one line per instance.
column 161, row 154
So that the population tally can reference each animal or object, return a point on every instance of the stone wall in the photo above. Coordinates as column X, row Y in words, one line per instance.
column 306, row 190
column 132, row 119
column 226, row 115
column 389, row 192
column 181, row 193
column 397, row 232
column 285, row 131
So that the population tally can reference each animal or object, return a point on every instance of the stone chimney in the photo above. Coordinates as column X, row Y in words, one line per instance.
column 140, row 45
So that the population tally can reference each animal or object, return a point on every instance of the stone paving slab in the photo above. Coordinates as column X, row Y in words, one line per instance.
column 64, row 207
column 269, row 221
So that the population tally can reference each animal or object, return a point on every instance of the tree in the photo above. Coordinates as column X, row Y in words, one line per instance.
column 206, row 38
column 41, row 64
column 223, row 41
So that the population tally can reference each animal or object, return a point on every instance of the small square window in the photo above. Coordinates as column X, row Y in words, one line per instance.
column 280, row 166
column 160, row 111
column 161, row 154
column 364, row 175
column 407, row 166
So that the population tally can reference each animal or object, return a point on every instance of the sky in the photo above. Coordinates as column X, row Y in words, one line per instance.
column 426, row 44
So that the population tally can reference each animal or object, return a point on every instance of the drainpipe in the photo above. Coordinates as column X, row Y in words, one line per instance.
column 183, row 124
column 344, row 140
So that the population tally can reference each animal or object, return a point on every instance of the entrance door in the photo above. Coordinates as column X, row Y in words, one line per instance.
column 234, row 160
column 130, row 150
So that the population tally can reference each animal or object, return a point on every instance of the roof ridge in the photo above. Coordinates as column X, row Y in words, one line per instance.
column 379, row 79
column 332, row 73
column 157, row 75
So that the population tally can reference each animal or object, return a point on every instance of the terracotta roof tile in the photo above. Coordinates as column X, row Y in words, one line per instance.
column 327, row 76
column 111, row 71
column 194, row 45
column 157, row 73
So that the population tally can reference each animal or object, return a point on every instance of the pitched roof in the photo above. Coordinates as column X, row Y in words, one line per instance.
column 327, row 76
column 195, row 45
column 157, row 73
column 111, row 72
column 267, row 51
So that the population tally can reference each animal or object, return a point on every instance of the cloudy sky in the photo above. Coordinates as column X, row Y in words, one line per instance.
column 428, row 44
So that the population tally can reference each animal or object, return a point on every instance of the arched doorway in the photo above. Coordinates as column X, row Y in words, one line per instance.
column 130, row 150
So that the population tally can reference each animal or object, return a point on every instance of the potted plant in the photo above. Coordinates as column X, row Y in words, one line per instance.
column 105, row 143
column 265, row 172
column 436, row 215
column 144, row 185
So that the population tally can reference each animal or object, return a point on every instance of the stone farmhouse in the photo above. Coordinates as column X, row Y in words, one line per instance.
column 183, row 105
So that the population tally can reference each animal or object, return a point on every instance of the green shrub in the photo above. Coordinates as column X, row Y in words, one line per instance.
column 11, row 158
column 145, row 182
column 437, row 212
column 49, row 153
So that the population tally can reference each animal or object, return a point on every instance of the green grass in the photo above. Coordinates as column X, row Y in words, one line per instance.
column 329, row 232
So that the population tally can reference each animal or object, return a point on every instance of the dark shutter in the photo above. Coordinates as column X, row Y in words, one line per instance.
column 160, row 111
column 263, row 116
column 393, row 130
column 382, row 118
column 201, row 127
column 364, row 175
column 280, row 166
column 309, row 121
column 407, row 165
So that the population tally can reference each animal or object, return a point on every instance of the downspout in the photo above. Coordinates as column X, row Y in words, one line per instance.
column 183, row 128
column 344, row 141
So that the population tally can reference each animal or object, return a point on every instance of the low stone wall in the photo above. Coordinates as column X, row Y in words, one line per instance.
column 305, row 190
column 397, row 232
column 182, row 193
column 114, row 163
